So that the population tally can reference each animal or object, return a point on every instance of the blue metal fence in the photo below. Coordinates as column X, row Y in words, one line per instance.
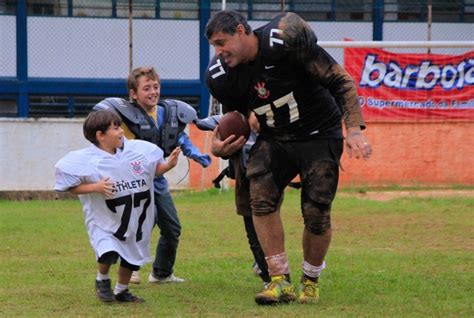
column 23, row 87
column 26, row 91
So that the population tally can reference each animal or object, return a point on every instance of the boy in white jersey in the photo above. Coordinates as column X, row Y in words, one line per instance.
column 114, row 180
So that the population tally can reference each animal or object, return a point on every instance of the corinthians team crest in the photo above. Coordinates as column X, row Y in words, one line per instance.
column 262, row 91
column 136, row 167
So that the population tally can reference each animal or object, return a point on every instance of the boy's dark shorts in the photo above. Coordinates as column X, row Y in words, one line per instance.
column 273, row 164
column 110, row 258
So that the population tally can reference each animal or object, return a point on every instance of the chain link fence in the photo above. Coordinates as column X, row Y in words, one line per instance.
column 89, row 40
column 312, row 10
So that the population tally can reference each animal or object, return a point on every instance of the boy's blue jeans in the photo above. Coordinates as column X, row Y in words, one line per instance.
column 170, row 231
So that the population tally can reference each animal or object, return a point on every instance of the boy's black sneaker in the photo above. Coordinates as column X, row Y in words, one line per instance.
column 126, row 297
column 104, row 291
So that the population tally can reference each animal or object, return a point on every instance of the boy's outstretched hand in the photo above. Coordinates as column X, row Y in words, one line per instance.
column 170, row 163
column 173, row 157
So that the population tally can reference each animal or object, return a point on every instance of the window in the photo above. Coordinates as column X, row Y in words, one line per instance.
column 8, row 7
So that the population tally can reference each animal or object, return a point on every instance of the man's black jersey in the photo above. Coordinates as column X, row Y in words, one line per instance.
column 295, row 87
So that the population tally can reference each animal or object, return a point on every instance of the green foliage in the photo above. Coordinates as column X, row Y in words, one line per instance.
column 408, row 257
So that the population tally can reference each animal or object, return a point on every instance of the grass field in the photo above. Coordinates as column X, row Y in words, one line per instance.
column 408, row 257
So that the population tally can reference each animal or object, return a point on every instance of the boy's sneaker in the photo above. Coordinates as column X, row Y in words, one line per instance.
column 308, row 292
column 135, row 279
column 104, row 291
column 126, row 297
column 279, row 290
column 168, row 279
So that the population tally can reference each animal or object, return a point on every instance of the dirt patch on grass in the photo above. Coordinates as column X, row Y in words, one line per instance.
column 390, row 195
column 377, row 195
column 36, row 195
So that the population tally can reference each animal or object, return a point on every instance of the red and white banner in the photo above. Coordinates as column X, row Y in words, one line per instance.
column 394, row 87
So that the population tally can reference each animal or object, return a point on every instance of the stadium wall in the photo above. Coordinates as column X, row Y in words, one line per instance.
column 423, row 153
column 406, row 154
column 428, row 153
column 31, row 147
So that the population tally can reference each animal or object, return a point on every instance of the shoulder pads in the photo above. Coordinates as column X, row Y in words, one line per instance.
column 185, row 112
column 298, row 32
column 286, row 36
column 120, row 105
column 208, row 123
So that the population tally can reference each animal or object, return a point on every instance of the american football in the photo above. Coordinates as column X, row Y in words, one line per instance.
column 233, row 123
